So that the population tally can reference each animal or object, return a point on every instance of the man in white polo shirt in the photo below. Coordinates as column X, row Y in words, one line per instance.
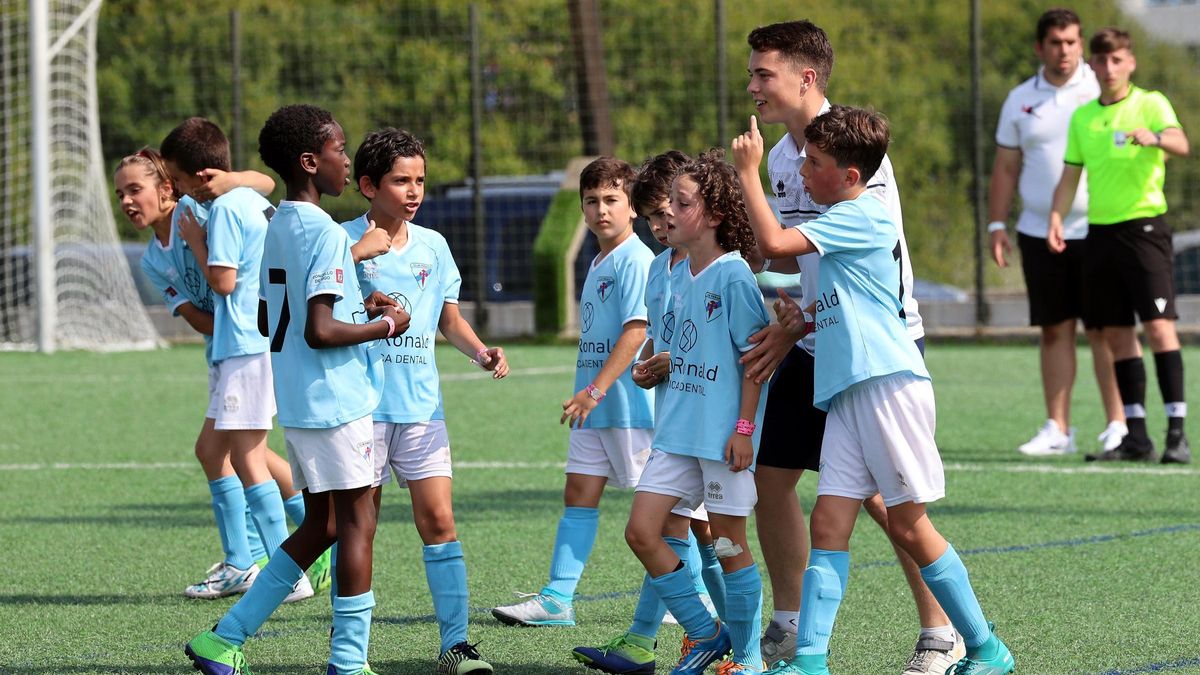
column 1030, row 139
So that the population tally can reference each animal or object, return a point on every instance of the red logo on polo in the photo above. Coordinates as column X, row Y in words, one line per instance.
column 338, row 275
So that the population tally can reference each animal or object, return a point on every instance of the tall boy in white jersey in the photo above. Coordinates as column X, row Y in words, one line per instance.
column 789, row 68
column 327, row 387
column 229, row 253
column 611, row 418
column 418, row 272
column 1031, row 136
column 873, row 383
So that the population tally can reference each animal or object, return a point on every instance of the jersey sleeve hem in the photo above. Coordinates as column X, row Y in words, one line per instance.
column 222, row 263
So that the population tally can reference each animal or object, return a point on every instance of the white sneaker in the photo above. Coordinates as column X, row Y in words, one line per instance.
column 1112, row 435
column 536, row 609
column 779, row 644
column 303, row 590
column 1049, row 441
column 932, row 655
column 222, row 580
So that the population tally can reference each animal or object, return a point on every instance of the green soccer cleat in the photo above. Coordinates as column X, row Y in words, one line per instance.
column 1000, row 663
column 366, row 670
column 463, row 659
column 212, row 654
column 623, row 655
column 802, row 664
column 320, row 572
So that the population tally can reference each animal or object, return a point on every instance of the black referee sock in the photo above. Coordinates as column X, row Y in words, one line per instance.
column 1131, row 382
column 1169, row 367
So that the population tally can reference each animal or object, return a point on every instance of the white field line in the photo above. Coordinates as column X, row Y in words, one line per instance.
column 84, row 378
column 1087, row 469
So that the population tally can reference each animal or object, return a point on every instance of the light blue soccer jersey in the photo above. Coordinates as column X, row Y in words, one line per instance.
column 237, row 222
column 613, row 295
column 661, row 324
column 422, row 277
column 175, row 273
column 716, row 312
column 861, row 330
column 308, row 254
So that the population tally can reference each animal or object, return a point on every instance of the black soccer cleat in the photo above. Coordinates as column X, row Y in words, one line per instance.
column 1130, row 450
column 1178, row 451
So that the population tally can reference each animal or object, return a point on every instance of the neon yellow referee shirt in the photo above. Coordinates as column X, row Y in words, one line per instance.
column 1124, row 181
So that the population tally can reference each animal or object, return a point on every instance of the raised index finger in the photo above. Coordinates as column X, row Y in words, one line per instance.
column 753, row 124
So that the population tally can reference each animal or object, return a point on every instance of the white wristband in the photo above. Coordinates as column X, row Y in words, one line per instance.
column 996, row 226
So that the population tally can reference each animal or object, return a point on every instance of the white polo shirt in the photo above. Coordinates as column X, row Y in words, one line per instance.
column 1034, row 120
column 796, row 208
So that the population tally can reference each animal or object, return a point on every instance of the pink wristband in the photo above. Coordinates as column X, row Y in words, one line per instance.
column 745, row 427
column 391, row 324
column 595, row 393
column 479, row 356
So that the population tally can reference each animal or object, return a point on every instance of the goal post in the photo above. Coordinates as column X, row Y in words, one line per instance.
column 65, row 282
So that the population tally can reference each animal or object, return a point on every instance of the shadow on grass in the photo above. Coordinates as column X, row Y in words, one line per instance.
column 86, row 600
column 93, row 667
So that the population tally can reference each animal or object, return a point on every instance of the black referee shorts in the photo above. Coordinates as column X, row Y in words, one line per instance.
column 1053, row 281
column 1130, row 269
column 792, row 428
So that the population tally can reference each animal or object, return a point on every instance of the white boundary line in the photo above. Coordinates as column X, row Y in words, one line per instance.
column 1087, row 469
column 84, row 378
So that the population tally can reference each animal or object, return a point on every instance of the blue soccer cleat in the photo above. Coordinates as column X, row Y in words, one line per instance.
column 622, row 656
column 696, row 655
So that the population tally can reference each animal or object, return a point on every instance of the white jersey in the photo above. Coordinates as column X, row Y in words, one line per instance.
column 1034, row 120
column 797, row 208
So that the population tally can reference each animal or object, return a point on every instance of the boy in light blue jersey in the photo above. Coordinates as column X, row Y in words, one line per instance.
column 418, row 271
column 610, row 417
column 703, row 440
column 147, row 198
column 633, row 651
column 326, row 385
column 871, row 379
column 228, row 251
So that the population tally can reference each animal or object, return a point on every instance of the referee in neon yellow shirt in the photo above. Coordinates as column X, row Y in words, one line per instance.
column 1123, row 140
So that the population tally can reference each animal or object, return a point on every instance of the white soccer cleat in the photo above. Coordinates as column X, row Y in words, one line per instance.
column 536, row 610
column 303, row 590
column 222, row 580
column 1049, row 440
column 933, row 656
column 1112, row 435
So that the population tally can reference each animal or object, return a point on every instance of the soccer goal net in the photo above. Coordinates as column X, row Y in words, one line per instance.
column 65, row 282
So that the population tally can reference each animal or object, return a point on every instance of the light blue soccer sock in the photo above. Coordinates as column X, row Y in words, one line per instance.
column 572, row 546
column 649, row 612
column 824, row 585
column 446, row 573
column 743, row 600
column 294, row 506
column 679, row 593
column 257, row 550
column 266, row 507
column 351, row 632
column 714, row 577
column 333, row 585
column 947, row 579
column 229, row 505
column 267, row 592
column 695, row 565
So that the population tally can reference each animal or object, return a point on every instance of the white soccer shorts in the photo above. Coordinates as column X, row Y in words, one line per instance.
column 879, row 438
column 413, row 451
column 241, row 393
column 617, row 454
column 700, row 482
column 340, row 458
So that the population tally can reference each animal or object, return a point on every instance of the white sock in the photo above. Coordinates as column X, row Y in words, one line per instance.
column 789, row 621
column 938, row 632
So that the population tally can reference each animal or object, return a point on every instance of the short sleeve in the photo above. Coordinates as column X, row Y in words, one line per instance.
column 1008, row 135
column 632, row 276
column 171, row 296
column 263, row 277
column 747, row 312
column 225, row 237
column 1074, row 152
column 845, row 227
column 451, row 278
column 1159, row 113
column 327, row 265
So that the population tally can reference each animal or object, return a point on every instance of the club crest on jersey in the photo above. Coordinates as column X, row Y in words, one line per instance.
column 712, row 306
column 687, row 336
column 779, row 190
column 586, row 314
column 668, row 327
column 421, row 272
column 604, row 287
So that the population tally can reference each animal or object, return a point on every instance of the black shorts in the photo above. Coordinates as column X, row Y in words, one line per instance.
column 1130, row 268
column 792, row 428
column 1054, row 281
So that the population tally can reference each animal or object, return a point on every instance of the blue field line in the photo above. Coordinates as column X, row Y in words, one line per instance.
column 1156, row 667
column 1062, row 543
